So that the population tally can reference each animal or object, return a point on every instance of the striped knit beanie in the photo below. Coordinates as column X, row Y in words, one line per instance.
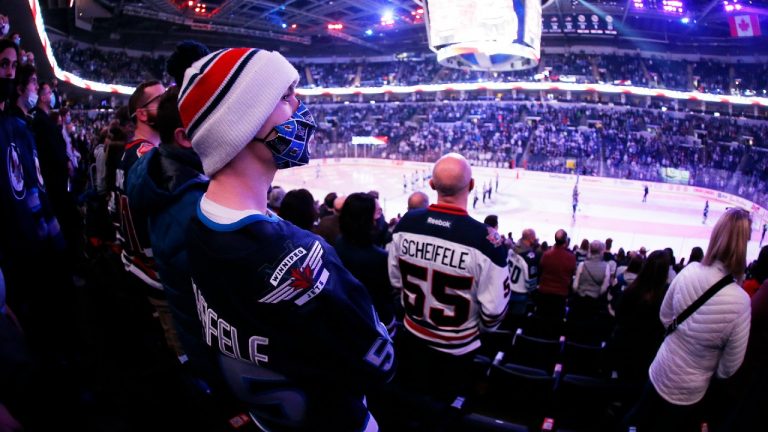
column 227, row 96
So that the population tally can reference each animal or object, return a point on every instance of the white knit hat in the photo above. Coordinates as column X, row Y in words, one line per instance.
column 227, row 96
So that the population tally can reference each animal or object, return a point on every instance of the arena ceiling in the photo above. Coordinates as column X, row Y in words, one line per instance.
column 300, row 27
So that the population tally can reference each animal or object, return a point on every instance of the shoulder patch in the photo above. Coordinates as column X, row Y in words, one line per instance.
column 40, row 181
column 306, row 278
column 494, row 237
column 144, row 148
column 15, row 172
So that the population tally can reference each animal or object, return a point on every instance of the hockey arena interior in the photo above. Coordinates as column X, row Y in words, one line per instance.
column 383, row 215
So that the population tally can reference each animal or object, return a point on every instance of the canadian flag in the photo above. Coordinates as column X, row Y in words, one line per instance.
column 744, row 25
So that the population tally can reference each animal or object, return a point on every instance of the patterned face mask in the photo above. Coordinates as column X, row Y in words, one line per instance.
column 290, row 147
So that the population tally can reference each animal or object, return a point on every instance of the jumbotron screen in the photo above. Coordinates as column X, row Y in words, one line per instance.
column 463, row 21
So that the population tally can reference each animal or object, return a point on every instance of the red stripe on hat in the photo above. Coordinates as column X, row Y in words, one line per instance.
column 209, row 83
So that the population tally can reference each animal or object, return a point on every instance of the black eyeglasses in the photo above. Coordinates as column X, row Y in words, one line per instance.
column 146, row 104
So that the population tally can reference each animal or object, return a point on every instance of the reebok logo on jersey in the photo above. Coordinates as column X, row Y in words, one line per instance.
column 439, row 222
column 308, row 277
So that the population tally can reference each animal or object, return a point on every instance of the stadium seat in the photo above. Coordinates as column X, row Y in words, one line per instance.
column 535, row 352
column 589, row 330
column 516, row 393
column 544, row 327
column 586, row 403
column 587, row 360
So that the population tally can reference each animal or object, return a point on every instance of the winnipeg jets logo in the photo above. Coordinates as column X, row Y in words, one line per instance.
column 15, row 172
column 494, row 237
column 40, row 181
column 304, row 280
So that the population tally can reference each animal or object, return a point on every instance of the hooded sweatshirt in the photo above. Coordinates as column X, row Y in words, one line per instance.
column 166, row 184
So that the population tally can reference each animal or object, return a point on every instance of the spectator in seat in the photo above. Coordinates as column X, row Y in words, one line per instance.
column 433, row 249
column 557, row 267
column 366, row 261
column 639, row 332
column 592, row 279
column 297, row 336
column 687, row 359
column 418, row 200
column 299, row 208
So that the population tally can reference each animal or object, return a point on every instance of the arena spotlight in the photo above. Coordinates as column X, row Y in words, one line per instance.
column 369, row 32
column 685, row 20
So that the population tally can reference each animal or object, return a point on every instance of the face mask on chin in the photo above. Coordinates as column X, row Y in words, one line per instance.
column 290, row 148
column 31, row 101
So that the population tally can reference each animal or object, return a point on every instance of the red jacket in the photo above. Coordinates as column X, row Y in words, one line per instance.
column 556, row 271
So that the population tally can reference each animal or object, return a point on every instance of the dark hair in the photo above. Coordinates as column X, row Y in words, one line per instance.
column 671, row 254
column 492, row 221
column 123, row 116
column 117, row 134
column 168, row 118
column 138, row 98
column 356, row 219
column 697, row 254
column 41, row 85
column 651, row 283
column 759, row 268
column 298, row 207
column 608, row 243
column 186, row 53
column 8, row 43
column 329, row 199
column 635, row 264
column 24, row 73
column 584, row 245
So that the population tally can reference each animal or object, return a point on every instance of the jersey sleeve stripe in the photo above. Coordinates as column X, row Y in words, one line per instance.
column 420, row 330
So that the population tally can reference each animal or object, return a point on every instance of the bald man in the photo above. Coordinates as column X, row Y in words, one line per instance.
column 418, row 200
column 557, row 267
column 454, row 282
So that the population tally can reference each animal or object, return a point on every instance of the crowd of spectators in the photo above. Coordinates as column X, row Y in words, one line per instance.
column 717, row 152
column 724, row 153
column 706, row 75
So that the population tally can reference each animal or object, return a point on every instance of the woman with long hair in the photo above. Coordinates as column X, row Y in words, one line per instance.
column 639, row 331
column 366, row 261
column 712, row 341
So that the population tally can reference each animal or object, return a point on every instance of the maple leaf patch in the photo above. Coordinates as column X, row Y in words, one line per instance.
column 302, row 278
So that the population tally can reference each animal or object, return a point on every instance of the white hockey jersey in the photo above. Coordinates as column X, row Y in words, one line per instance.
column 453, row 274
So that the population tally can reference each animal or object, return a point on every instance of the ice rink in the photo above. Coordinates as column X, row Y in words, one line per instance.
column 671, row 217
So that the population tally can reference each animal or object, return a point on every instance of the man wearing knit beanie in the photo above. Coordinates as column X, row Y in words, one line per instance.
column 292, row 328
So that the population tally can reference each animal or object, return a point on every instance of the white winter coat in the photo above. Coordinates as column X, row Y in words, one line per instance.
column 712, row 340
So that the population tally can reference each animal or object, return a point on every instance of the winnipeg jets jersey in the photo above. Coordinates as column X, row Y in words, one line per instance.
column 519, row 274
column 132, row 230
column 453, row 274
column 278, row 297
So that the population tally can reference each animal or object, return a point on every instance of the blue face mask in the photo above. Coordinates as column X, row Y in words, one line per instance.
column 290, row 147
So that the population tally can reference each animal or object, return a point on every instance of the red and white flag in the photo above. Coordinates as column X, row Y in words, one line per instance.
column 744, row 25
